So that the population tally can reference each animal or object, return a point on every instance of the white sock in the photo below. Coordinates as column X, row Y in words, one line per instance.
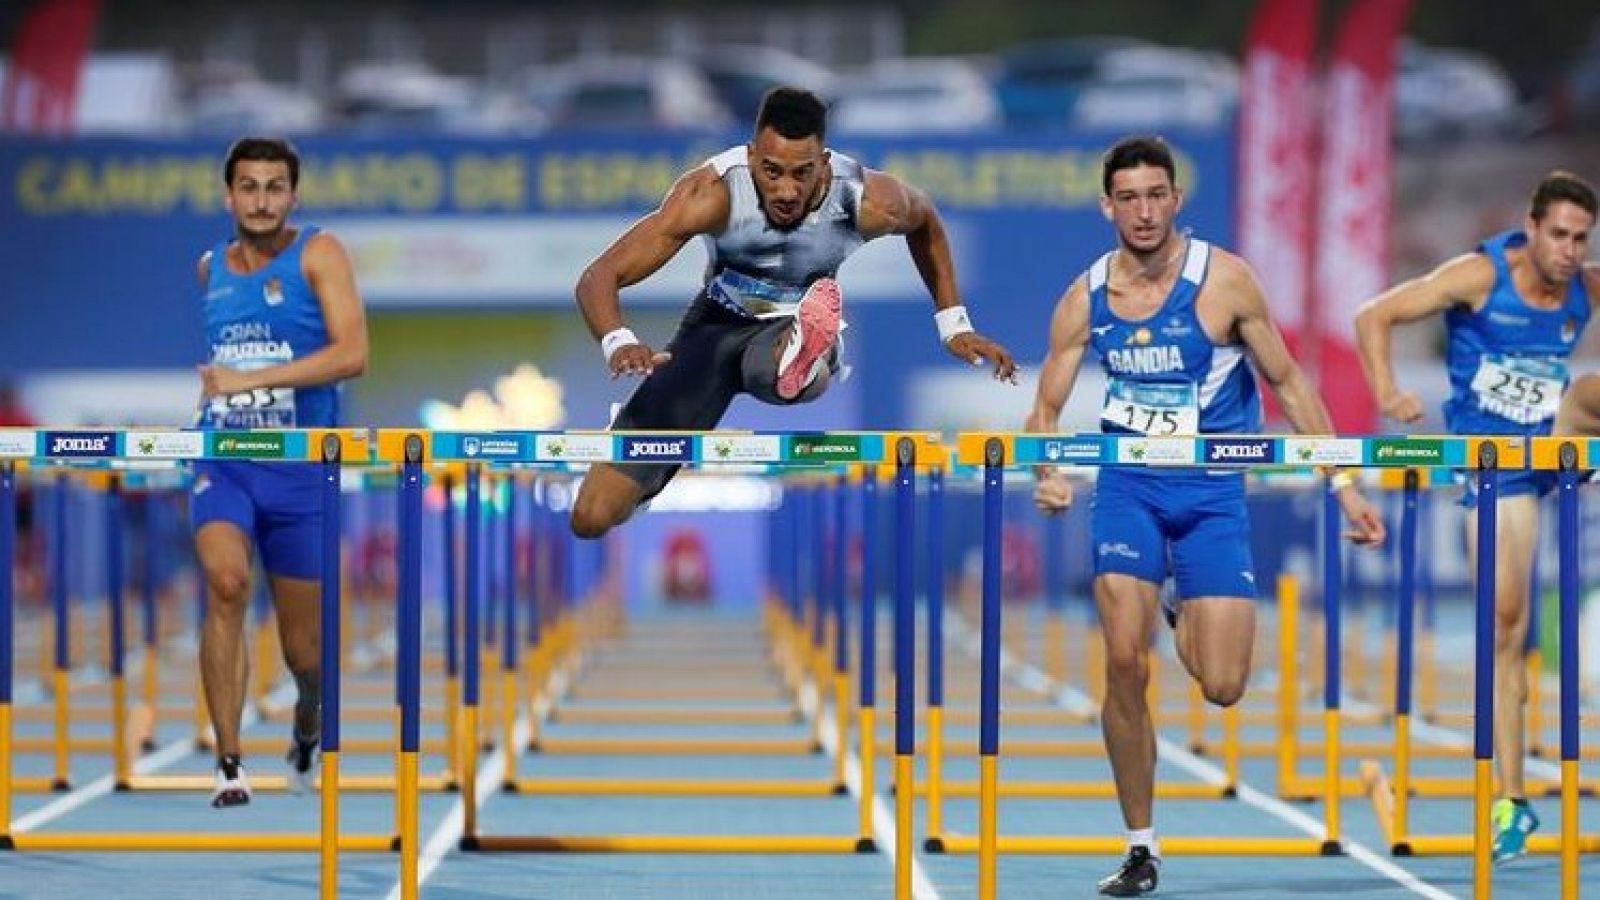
column 1144, row 837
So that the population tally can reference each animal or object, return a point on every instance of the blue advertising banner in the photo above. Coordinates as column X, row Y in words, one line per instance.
column 102, row 236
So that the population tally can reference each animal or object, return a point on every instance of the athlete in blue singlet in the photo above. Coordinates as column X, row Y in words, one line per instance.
column 1182, row 330
column 285, row 327
column 1514, row 309
column 780, row 215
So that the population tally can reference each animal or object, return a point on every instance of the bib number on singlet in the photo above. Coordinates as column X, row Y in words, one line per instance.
column 259, row 408
column 1154, row 409
column 1521, row 389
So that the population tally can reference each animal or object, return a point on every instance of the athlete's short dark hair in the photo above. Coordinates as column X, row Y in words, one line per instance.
column 262, row 149
column 1561, row 186
column 1132, row 152
column 794, row 113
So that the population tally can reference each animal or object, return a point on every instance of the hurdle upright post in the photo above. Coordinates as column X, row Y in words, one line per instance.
column 452, row 640
column 120, row 764
column 409, row 620
column 471, row 638
column 935, row 589
column 8, row 541
column 1406, row 609
column 332, row 604
column 867, row 724
column 841, row 629
column 150, row 686
column 510, row 638
column 1332, row 581
column 1483, row 692
column 1567, row 551
column 905, row 675
column 989, row 671
column 60, row 674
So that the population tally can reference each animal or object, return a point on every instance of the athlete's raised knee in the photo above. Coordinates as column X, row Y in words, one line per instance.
column 594, row 514
column 1223, row 691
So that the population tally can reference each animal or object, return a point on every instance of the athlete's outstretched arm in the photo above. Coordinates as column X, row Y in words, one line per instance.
column 697, row 204
column 1301, row 404
column 1069, row 337
column 890, row 206
column 1465, row 279
column 328, row 271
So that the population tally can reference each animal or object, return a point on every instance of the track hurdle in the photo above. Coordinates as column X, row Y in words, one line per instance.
column 995, row 452
column 778, row 453
column 1391, row 800
column 333, row 448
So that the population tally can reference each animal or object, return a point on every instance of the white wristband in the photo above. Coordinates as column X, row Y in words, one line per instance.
column 616, row 340
column 1338, row 481
column 952, row 321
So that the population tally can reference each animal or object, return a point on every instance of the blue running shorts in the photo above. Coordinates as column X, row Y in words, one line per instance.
column 1190, row 524
column 277, row 505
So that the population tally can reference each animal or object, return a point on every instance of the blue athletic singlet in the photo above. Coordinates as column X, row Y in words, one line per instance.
column 266, row 318
column 1165, row 376
column 1508, row 360
column 1508, row 364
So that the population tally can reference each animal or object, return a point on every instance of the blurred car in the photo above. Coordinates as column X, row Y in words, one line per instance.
column 1037, row 84
column 921, row 95
column 403, row 95
column 1115, row 83
column 617, row 92
column 1148, row 103
column 1446, row 92
column 231, row 98
column 742, row 75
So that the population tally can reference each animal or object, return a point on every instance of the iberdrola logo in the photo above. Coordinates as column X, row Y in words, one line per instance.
column 1305, row 454
column 1137, row 451
column 557, row 449
column 723, row 448
column 147, row 446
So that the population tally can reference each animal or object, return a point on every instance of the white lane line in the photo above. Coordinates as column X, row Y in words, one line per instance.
column 447, row 835
column 883, row 819
column 1032, row 678
column 153, row 762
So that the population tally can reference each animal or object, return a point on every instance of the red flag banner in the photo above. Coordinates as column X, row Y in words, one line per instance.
column 41, row 83
column 1277, row 148
column 1355, row 190
column 1277, row 155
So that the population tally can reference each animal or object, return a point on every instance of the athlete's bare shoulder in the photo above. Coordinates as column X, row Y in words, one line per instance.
column 698, row 202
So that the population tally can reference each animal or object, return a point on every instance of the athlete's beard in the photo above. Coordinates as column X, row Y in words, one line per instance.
column 775, row 225
column 263, row 236
column 811, row 203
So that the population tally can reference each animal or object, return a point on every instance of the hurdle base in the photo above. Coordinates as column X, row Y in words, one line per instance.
column 666, row 843
column 682, row 787
column 1462, row 844
column 1170, row 846
column 933, row 845
column 145, row 842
